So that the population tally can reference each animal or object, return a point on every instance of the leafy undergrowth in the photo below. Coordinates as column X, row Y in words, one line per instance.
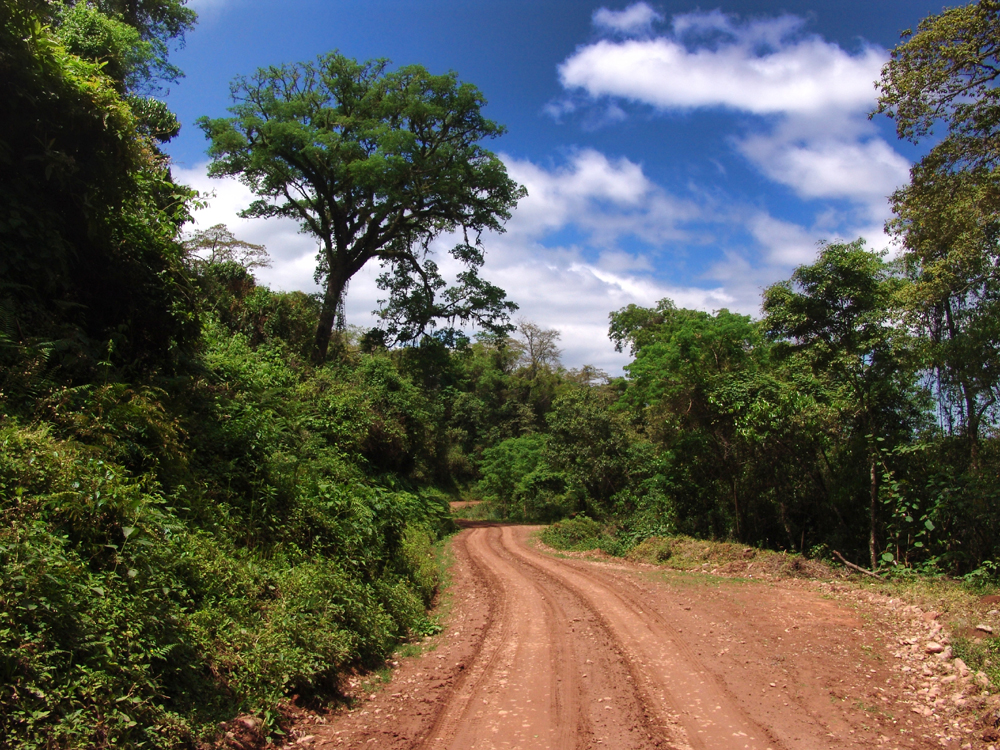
column 177, row 556
column 576, row 534
column 123, row 623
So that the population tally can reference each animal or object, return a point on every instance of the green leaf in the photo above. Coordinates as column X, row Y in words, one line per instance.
column 929, row 524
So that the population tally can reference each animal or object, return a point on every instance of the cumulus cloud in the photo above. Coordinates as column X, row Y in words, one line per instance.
column 224, row 200
column 758, row 67
column 606, row 199
column 636, row 18
column 810, row 96
column 828, row 167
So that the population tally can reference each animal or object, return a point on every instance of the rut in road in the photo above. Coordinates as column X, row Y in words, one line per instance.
column 564, row 654
column 569, row 662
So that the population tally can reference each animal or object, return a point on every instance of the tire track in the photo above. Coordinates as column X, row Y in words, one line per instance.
column 456, row 703
column 659, row 733
column 532, row 684
column 627, row 588
column 511, row 643
column 669, row 671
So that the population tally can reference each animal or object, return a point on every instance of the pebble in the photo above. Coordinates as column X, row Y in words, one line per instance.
column 985, row 628
column 963, row 669
column 933, row 647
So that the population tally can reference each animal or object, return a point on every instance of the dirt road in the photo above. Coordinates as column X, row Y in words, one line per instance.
column 547, row 652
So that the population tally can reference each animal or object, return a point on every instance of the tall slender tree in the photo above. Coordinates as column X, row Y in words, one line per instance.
column 948, row 217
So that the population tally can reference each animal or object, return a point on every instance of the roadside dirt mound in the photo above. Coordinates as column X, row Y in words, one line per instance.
column 544, row 651
column 683, row 553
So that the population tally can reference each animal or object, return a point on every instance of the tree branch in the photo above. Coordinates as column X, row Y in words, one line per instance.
column 858, row 568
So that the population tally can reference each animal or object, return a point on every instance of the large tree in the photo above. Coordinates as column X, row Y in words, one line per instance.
column 948, row 217
column 375, row 164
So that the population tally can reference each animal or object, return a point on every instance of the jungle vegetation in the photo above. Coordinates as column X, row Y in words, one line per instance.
column 205, row 507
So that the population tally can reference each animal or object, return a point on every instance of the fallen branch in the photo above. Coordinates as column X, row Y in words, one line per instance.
column 858, row 568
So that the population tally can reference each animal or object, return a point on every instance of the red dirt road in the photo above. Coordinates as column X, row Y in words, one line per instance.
column 547, row 652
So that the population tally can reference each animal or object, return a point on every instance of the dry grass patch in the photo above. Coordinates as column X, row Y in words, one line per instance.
column 728, row 558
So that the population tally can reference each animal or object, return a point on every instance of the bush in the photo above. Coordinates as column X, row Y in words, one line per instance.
column 579, row 533
column 142, row 615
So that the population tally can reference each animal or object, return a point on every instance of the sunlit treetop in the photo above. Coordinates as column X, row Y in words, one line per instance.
column 947, row 72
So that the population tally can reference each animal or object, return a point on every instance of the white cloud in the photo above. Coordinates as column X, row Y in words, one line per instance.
column 636, row 18
column 785, row 244
column 288, row 247
column 806, row 75
column 811, row 95
column 605, row 198
column 861, row 170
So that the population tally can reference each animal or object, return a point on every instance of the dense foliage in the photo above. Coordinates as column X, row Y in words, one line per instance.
column 193, row 523
column 198, row 520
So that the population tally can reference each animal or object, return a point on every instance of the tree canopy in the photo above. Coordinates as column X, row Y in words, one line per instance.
column 947, row 72
column 947, row 218
column 837, row 313
column 375, row 164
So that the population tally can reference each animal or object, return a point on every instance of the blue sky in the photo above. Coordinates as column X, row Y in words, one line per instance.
column 669, row 149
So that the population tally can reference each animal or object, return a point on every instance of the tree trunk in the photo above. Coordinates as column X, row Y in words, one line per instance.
column 969, row 395
column 871, row 510
column 336, row 282
column 736, row 509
